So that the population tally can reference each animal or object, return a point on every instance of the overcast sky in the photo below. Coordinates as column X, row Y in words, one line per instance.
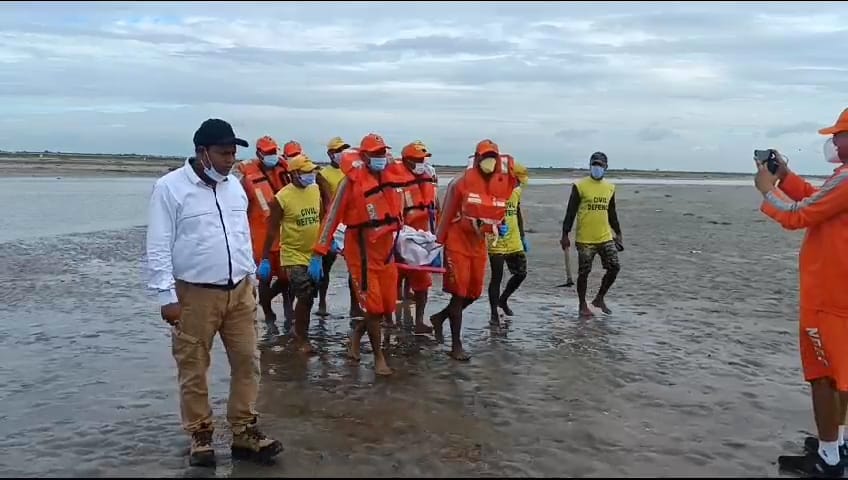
column 691, row 86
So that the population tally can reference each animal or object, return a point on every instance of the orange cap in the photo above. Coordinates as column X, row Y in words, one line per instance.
column 415, row 151
column 840, row 126
column 487, row 146
column 267, row 144
column 373, row 143
column 292, row 149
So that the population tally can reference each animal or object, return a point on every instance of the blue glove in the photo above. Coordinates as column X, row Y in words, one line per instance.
column 334, row 248
column 526, row 245
column 264, row 270
column 316, row 268
column 503, row 229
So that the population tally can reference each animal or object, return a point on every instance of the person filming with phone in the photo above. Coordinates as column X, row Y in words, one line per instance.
column 823, row 266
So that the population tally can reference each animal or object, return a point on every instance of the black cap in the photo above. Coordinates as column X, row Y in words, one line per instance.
column 598, row 156
column 216, row 132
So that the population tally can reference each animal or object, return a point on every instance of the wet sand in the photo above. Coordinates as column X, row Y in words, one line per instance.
column 695, row 374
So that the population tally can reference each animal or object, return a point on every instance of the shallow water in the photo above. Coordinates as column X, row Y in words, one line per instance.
column 696, row 372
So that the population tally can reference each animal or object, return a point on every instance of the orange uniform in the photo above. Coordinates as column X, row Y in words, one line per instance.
column 420, row 208
column 371, row 207
column 823, row 263
column 473, row 207
column 261, row 184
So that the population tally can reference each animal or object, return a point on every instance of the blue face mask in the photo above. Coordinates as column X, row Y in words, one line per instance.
column 597, row 171
column 307, row 179
column 270, row 161
column 378, row 164
column 211, row 172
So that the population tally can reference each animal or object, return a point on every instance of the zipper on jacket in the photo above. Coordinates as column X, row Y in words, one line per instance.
column 226, row 239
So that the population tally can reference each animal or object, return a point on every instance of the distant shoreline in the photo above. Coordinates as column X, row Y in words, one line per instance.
column 49, row 164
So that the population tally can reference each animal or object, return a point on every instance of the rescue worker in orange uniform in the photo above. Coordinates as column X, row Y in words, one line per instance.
column 823, row 267
column 330, row 177
column 291, row 149
column 474, row 210
column 420, row 211
column 261, row 179
column 370, row 205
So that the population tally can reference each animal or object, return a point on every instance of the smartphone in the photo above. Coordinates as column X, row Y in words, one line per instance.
column 768, row 158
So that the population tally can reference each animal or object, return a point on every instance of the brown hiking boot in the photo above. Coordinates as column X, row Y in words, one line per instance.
column 251, row 444
column 201, row 454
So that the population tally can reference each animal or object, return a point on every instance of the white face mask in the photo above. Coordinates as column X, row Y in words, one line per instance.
column 831, row 153
column 337, row 157
column 419, row 168
column 210, row 170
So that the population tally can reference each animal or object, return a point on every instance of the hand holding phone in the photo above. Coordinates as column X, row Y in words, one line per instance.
column 768, row 158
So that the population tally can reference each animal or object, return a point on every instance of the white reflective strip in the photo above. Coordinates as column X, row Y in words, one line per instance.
column 262, row 202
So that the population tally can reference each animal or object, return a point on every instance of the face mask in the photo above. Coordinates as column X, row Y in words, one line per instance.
column 597, row 172
column 487, row 165
column 419, row 168
column 831, row 153
column 378, row 164
column 336, row 158
column 307, row 179
column 211, row 172
column 270, row 161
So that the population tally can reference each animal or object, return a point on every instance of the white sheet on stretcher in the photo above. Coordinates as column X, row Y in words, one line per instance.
column 415, row 247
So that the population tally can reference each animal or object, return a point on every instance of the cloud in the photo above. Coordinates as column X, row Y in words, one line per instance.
column 655, row 134
column 141, row 76
column 795, row 128
column 575, row 133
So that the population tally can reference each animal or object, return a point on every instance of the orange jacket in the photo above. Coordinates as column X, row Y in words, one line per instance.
column 420, row 205
column 261, row 185
column 474, row 206
column 371, row 208
column 823, row 261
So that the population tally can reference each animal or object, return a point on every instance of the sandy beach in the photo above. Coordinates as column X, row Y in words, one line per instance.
column 695, row 373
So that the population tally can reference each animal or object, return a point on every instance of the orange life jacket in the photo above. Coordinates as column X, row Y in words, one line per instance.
column 485, row 201
column 419, row 203
column 261, row 187
column 377, row 205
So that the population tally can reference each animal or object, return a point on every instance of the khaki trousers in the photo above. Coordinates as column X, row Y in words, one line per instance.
column 205, row 312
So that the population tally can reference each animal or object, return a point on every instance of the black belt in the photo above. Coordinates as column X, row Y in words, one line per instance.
column 214, row 286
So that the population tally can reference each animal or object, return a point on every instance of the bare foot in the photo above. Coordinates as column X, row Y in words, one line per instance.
column 599, row 302
column 381, row 367
column 460, row 355
column 495, row 320
column 353, row 350
column 585, row 312
column 438, row 322
column 306, row 348
column 422, row 329
column 322, row 311
column 505, row 307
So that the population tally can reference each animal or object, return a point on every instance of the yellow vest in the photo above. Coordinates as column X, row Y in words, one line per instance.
column 333, row 176
column 511, row 242
column 592, row 216
column 300, row 223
